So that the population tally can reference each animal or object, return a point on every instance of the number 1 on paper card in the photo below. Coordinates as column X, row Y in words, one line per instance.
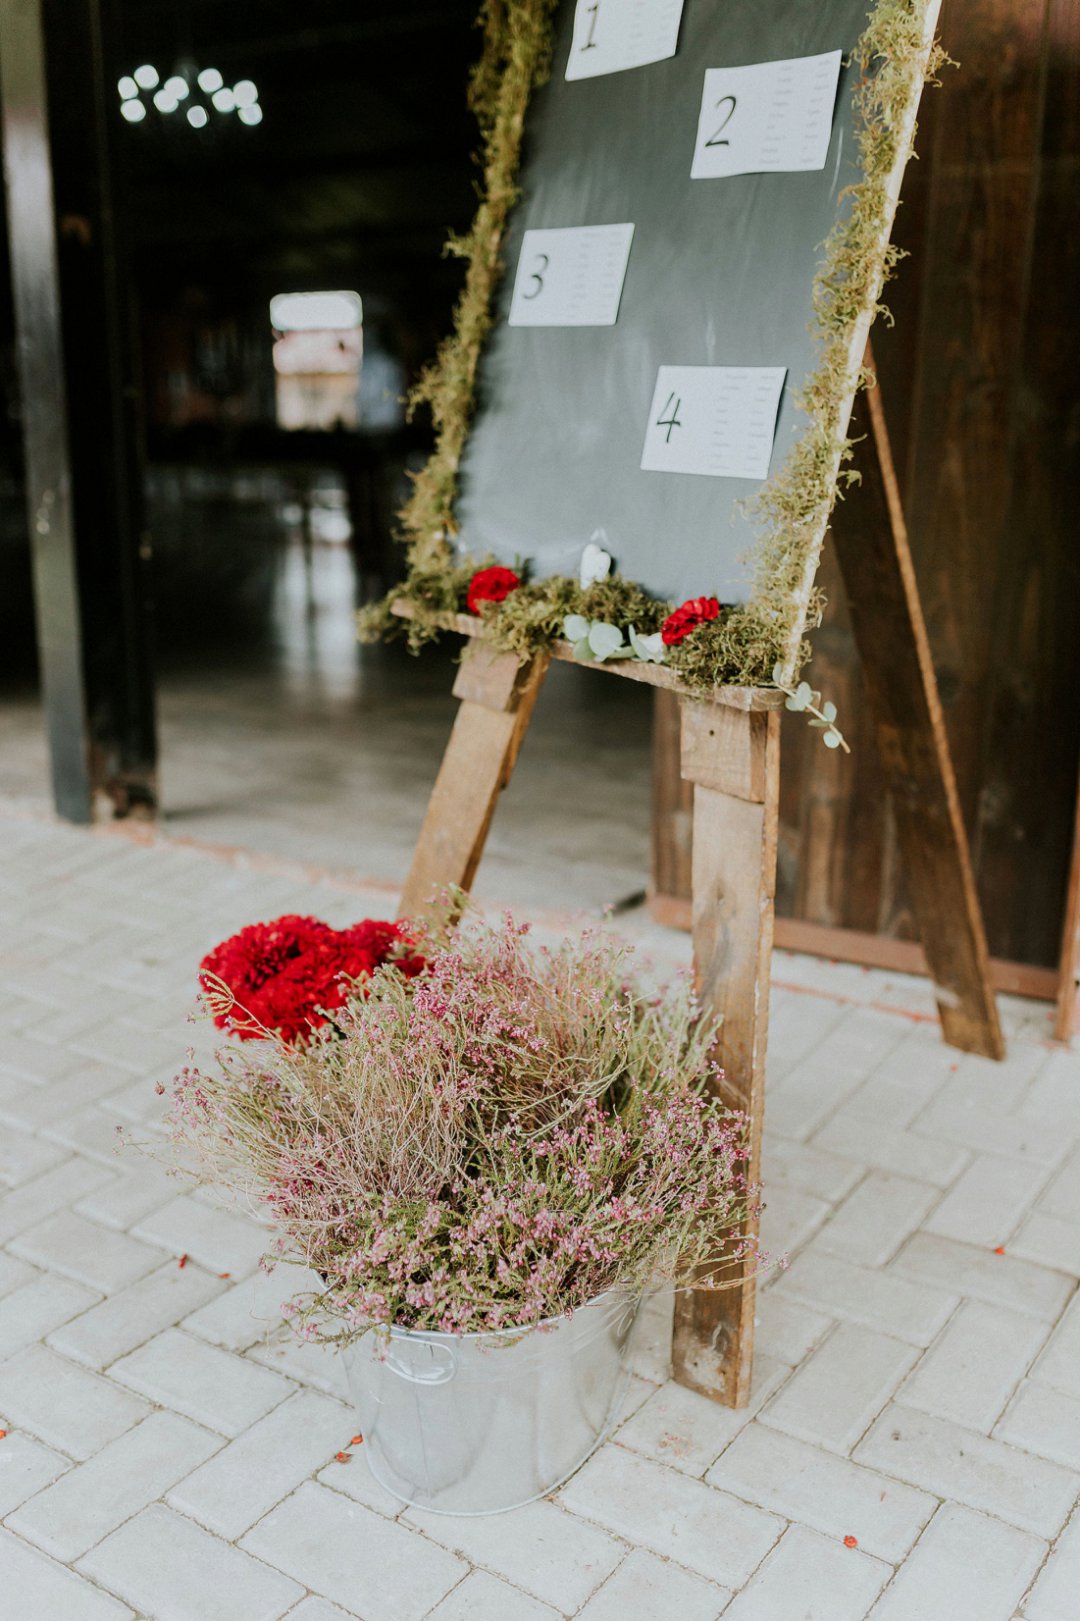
column 571, row 276
column 611, row 35
column 718, row 420
column 767, row 117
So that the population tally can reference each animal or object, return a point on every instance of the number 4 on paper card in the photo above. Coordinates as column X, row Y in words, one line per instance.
column 718, row 420
column 767, row 117
column 611, row 35
column 571, row 276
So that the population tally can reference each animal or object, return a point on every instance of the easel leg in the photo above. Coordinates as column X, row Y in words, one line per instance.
column 732, row 758
column 887, row 619
column 497, row 692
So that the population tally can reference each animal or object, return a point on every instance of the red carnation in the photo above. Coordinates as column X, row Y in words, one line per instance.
column 386, row 942
column 678, row 625
column 491, row 585
column 284, row 974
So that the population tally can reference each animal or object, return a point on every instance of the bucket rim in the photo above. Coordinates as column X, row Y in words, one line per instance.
column 432, row 1336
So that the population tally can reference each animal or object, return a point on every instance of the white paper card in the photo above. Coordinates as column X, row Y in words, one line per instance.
column 572, row 276
column 719, row 420
column 610, row 35
column 767, row 117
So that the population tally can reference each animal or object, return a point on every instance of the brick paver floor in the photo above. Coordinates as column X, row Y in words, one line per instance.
column 912, row 1451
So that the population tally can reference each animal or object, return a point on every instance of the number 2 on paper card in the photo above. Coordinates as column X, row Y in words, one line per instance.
column 767, row 117
column 612, row 35
column 571, row 276
column 718, row 420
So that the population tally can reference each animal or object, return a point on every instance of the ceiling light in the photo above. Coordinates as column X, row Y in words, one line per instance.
column 197, row 117
column 133, row 111
column 250, row 115
column 127, row 87
column 210, row 80
column 146, row 77
column 177, row 87
column 245, row 92
column 224, row 100
column 164, row 100
column 315, row 312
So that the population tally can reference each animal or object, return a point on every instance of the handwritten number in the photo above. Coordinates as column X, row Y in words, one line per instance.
column 715, row 137
column 538, row 277
column 671, row 421
column 590, row 12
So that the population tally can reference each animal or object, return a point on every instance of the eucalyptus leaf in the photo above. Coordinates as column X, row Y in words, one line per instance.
column 820, row 723
column 575, row 627
column 650, row 649
column 582, row 650
column 778, row 674
column 604, row 639
column 831, row 740
column 829, row 711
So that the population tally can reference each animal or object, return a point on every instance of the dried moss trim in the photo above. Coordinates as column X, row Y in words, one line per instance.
column 743, row 645
column 515, row 59
column 794, row 506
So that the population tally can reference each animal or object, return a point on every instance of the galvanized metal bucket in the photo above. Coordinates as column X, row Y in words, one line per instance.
column 479, row 1423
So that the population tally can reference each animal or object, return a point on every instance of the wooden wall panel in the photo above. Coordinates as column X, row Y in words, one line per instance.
column 978, row 380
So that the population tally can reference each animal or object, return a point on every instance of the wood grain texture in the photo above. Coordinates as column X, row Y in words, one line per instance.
column 498, row 693
column 978, row 380
column 901, row 687
column 672, row 807
column 651, row 675
column 734, row 880
column 1069, row 971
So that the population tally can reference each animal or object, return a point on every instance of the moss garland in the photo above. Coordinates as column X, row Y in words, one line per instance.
column 515, row 59
column 744, row 644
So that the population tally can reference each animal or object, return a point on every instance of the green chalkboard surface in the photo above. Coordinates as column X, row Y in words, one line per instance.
column 720, row 274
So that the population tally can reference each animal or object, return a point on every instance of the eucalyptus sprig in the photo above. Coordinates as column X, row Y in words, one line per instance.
column 594, row 641
column 803, row 697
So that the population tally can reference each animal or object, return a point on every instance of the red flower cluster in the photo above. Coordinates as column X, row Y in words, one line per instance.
column 283, row 973
column 491, row 585
column 678, row 625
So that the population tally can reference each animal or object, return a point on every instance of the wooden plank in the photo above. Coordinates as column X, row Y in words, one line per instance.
column 734, row 881
column 720, row 751
column 1066, row 989
column 498, row 692
column 674, row 911
column 1024, row 835
column 872, row 547
column 652, row 675
column 672, row 805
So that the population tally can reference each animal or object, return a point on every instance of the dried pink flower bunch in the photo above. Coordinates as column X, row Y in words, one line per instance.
column 495, row 1142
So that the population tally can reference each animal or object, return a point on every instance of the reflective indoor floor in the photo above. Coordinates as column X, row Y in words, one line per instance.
column 281, row 735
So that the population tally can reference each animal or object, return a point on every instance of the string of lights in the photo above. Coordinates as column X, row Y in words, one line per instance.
column 200, row 95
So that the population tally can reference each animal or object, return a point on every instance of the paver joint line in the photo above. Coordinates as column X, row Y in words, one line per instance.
column 928, row 1202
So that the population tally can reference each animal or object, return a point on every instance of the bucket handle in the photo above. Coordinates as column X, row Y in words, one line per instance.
column 439, row 1372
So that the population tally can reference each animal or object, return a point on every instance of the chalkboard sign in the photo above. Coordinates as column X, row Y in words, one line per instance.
column 652, row 330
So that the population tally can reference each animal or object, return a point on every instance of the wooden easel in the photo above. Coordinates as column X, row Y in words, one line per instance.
column 730, row 751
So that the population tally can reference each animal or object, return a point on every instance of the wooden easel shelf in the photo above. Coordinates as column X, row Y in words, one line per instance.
column 753, row 700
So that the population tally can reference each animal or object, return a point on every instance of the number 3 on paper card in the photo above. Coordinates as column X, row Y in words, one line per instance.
column 767, row 117
column 718, row 420
column 571, row 276
column 611, row 35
